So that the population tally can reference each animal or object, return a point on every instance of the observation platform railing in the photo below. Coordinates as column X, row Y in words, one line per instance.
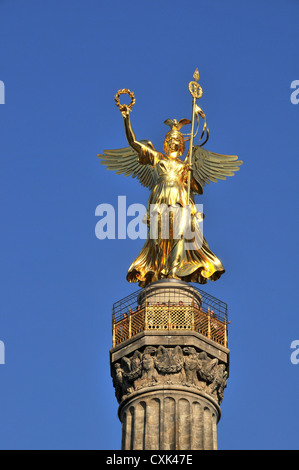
column 204, row 314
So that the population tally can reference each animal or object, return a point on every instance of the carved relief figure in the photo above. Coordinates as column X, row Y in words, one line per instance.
column 172, row 365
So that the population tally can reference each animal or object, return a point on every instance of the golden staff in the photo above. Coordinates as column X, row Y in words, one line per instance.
column 196, row 93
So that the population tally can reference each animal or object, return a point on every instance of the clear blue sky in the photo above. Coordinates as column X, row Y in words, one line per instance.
column 62, row 63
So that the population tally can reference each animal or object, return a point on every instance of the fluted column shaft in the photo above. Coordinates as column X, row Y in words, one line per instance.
column 169, row 420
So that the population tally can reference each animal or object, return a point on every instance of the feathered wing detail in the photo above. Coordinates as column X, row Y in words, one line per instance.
column 125, row 161
column 210, row 167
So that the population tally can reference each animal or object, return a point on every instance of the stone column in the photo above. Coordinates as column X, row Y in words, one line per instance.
column 171, row 419
column 169, row 385
column 169, row 389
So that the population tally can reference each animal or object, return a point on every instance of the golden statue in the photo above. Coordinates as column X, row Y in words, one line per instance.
column 184, row 253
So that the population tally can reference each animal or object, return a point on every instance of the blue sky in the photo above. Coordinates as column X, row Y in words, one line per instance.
column 62, row 63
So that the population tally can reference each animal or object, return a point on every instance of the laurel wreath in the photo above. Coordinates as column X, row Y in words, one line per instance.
column 195, row 90
column 124, row 107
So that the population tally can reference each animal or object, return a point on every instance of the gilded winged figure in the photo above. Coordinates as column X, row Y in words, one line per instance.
column 166, row 176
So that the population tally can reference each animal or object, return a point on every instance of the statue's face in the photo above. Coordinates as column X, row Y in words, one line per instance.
column 172, row 147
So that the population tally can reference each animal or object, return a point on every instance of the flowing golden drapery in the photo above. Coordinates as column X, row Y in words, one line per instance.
column 171, row 257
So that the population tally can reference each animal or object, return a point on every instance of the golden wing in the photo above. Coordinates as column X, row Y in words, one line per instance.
column 210, row 167
column 125, row 161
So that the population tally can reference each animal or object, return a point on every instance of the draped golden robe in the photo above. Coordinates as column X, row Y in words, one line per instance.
column 172, row 256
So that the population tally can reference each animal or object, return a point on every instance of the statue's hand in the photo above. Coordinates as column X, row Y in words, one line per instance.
column 124, row 111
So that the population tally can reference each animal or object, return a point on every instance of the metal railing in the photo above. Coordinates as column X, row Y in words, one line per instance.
column 198, row 311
